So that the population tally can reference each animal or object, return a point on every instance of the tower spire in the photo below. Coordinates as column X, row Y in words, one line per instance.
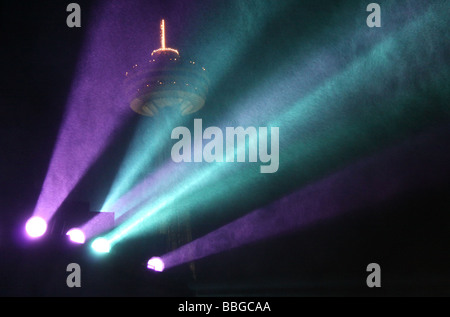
column 163, row 35
column 163, row 47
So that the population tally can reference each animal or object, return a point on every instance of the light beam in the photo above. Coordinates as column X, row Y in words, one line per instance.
column 327, row 198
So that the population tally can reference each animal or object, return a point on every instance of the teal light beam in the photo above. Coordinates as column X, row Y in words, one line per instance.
column 249, row 18
column 148, row 142
column 314, row 112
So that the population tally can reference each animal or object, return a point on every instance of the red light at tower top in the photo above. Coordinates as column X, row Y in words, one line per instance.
column 163, row 47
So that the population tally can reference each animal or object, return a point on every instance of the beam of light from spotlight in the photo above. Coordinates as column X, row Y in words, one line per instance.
column 164, row 179
column 393, row 59
column 183, row 191
column 94, row 112
column 249, row 31
column 137, row 223
column 100, row 223
column 75, row 150
column 141, row 197
column 136, row 161
column 151, row 186
column 314, row 103
column 307, row 149
column 307, row 57
column 327, row 198
column 36, row 227
column 131, row 166
column 225, row 41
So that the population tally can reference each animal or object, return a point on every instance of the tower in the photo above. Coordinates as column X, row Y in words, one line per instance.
column 166, row 80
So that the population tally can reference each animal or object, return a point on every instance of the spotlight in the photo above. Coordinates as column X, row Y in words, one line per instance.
column 101, row 245
column 76, row 236
column 36, row 227
column 155, row 264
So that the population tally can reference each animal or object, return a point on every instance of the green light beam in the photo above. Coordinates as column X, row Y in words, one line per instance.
column 317, row 109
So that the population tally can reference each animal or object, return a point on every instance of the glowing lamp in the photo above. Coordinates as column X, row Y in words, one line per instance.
column 76, row 236
column 101, row 245
column 155, row 264
column 36, row 227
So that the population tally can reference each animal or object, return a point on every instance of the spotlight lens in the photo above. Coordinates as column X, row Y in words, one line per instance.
column 155, row 264
column 101, row 245
column 76, row 236
column 36, row 227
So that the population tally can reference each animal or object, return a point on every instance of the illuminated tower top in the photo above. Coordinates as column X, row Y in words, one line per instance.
column 166, row 80
column 163, row 47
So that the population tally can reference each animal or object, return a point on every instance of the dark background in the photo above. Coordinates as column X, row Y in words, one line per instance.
column 407, row 235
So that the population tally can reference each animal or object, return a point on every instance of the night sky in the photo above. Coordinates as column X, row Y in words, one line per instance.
column 364, row 126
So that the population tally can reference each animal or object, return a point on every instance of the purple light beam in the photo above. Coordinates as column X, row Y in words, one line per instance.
column 95, row 110
column 412, row 165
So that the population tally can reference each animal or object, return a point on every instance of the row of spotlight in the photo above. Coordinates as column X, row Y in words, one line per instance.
column 37, row 226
